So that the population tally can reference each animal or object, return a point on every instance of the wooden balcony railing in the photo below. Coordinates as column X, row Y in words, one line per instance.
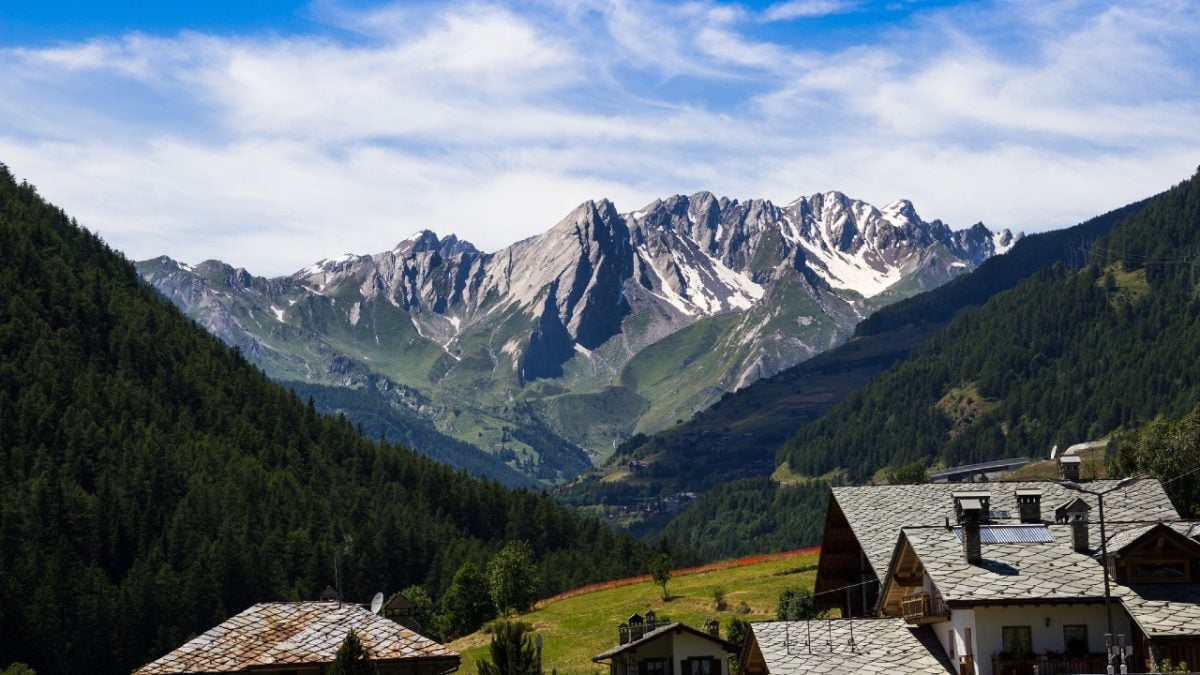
column 921, row 607
column 1049, row 664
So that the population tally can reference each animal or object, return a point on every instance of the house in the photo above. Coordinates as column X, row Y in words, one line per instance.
column 989, row 581
column 293, row 638
column 647, row 646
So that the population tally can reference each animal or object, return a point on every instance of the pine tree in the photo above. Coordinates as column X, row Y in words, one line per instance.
column 512, row 650
column 352, row 658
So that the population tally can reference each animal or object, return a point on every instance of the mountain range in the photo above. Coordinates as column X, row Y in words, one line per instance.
column 549, row 353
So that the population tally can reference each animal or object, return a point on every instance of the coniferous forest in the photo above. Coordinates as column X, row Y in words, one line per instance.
column 152, row 483
column 1068, row 355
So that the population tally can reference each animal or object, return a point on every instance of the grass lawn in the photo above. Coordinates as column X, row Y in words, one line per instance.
column 578, row 627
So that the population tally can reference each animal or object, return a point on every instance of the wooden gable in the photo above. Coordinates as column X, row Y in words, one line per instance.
column 906, row 576
column 843, row 575
column 1160, row 555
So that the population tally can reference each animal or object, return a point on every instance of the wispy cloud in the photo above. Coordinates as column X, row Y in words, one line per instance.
column 493, row 120
column 805, row 9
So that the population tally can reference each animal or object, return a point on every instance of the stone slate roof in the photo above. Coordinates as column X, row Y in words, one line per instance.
column 661, row 631
column 1163, row 610
column 877, row 513
column 1032, row 572
column 1188, row 528
column 881, row 646
column 283, row 633
column 1123, row 538
column 1018, row 572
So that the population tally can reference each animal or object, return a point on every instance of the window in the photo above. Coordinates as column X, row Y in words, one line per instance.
column 1075, row 639
column 655, row 667
column 1018, row 640
column 701, row 666
column 1160, row 571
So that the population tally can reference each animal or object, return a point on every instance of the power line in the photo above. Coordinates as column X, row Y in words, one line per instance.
column 1181, row 476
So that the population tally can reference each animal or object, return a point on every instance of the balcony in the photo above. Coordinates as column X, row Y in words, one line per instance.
column 1048, row 664
column 920, row 607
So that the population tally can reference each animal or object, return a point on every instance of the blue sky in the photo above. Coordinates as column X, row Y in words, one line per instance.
column 271, row 134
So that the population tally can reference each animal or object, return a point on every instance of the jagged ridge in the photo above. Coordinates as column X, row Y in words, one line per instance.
column 729, row 291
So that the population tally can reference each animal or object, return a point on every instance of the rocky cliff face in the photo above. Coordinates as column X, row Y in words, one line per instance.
column 604, row 324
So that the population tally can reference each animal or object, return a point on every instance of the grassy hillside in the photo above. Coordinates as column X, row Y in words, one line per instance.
column 578, row 626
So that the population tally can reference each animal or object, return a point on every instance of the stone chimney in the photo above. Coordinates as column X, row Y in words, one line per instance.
column 1075, row 512
column 623, row 634
column 984, row 500
column 1029, row 505
column 713, row 628
column 971, row 516
column 1079, row 532
column 1068, row 467
column 637, row 627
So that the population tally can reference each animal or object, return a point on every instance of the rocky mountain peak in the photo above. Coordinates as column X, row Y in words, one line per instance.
column 426, row 241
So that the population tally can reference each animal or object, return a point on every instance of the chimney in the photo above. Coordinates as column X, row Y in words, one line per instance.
column 1079, row 532
column 623, row 634
column 1068, row 467
column 971, row 515
column 637, row 628
column 983, row 498
column 713, row 628
column 1029, row 505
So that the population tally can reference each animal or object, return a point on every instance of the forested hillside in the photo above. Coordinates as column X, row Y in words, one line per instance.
column 1066, row 356
column 752, row 515
column 376, row 417
column 153, row 483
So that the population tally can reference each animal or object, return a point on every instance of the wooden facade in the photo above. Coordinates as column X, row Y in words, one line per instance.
column 845, row 581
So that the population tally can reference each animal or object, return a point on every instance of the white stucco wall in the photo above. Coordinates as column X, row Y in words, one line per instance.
column 986, row 625
column 681, row 646
column 689, row 646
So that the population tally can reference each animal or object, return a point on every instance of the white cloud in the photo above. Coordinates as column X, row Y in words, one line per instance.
column 804, row 9
column 492, row 122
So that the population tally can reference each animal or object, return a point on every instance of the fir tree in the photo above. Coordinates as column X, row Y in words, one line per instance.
column 352, row 658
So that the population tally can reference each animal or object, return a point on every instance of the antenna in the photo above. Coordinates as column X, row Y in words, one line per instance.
column 377, row 603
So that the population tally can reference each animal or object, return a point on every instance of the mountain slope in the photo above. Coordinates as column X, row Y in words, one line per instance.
column 737, row 436
column 638, row 319
column 154, row 482
column 1065, row 356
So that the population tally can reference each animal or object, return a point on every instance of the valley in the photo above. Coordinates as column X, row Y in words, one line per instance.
column 449, row 337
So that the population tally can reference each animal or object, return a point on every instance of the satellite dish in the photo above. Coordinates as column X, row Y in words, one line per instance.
column 377, row 603
column 1053, row 452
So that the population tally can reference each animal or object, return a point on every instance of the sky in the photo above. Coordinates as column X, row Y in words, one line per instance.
column 272, row 134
